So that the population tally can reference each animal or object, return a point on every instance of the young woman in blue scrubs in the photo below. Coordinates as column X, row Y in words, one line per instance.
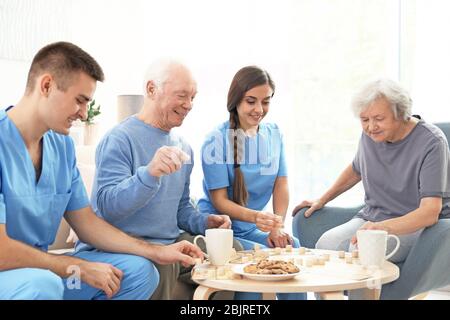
column 244, row 165
column 40, row 183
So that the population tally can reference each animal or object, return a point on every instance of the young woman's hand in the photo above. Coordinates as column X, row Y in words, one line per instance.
column 266, row 221
column 279, row 238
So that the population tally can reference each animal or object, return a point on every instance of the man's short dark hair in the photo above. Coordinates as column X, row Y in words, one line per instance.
column 62, row 60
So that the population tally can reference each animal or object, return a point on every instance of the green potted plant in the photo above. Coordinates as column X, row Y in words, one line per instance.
column 90, row 126
column 92, row 111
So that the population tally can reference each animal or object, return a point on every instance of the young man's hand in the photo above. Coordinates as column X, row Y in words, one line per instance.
column 101, row 276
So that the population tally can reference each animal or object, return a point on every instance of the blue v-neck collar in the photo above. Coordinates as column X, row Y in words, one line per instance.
column 29, row 163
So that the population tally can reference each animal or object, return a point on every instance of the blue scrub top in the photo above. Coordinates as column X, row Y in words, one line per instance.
column 263, row 162
column 31, row 211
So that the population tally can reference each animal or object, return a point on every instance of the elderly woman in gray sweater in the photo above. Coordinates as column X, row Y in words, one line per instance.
column 403, row 163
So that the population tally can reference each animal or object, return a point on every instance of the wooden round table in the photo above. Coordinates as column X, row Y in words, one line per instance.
column 329, row 280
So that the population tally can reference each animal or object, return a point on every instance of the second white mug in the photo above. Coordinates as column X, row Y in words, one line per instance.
column 372, row 245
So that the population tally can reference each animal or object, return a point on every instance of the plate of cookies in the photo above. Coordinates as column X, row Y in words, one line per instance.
column 268, row 270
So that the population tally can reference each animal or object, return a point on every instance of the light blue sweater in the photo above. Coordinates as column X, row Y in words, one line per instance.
column 128, row 197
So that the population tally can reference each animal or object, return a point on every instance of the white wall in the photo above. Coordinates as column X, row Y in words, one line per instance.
column 318, row 52
column 431, row 63
column 13, row 75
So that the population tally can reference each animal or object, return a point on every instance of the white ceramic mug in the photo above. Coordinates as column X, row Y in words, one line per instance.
column 372, row 245
column 219, row 243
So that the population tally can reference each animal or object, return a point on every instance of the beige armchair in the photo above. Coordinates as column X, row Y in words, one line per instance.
column 86, row 165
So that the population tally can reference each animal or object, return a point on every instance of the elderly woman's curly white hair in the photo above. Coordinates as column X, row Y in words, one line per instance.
column 395, row 95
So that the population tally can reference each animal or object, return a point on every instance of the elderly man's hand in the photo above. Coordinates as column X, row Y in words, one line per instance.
column 182, row 251
column 167, row 160
column 382, row 225
column 218, row 221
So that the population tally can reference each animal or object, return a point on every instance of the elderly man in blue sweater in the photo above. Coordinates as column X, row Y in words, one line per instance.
column 143, row 171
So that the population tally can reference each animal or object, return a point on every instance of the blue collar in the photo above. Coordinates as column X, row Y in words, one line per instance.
column 3, row 113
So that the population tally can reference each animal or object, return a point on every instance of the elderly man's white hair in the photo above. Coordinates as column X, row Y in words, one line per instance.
column 395, row 95
column 158, row 71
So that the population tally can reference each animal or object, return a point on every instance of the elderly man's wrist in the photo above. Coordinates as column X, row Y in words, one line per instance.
column 206, row 224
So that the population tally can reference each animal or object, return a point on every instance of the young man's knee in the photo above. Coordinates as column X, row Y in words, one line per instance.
column 43, row 285
column 152, row 277
column 142, row 268
column 142, row 273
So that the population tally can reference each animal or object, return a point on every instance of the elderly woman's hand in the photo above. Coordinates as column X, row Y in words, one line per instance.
column 314, row 205
column 382, row 225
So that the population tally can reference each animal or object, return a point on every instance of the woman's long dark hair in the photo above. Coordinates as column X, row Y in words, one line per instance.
column 244, row 80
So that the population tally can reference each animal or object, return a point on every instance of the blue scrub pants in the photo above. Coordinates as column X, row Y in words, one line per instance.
column 139, row 281
column 248, row 241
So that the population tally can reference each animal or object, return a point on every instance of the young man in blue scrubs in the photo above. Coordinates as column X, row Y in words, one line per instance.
column 39, row 183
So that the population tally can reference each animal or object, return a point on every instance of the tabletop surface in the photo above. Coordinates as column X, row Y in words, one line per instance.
column 335, row 274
